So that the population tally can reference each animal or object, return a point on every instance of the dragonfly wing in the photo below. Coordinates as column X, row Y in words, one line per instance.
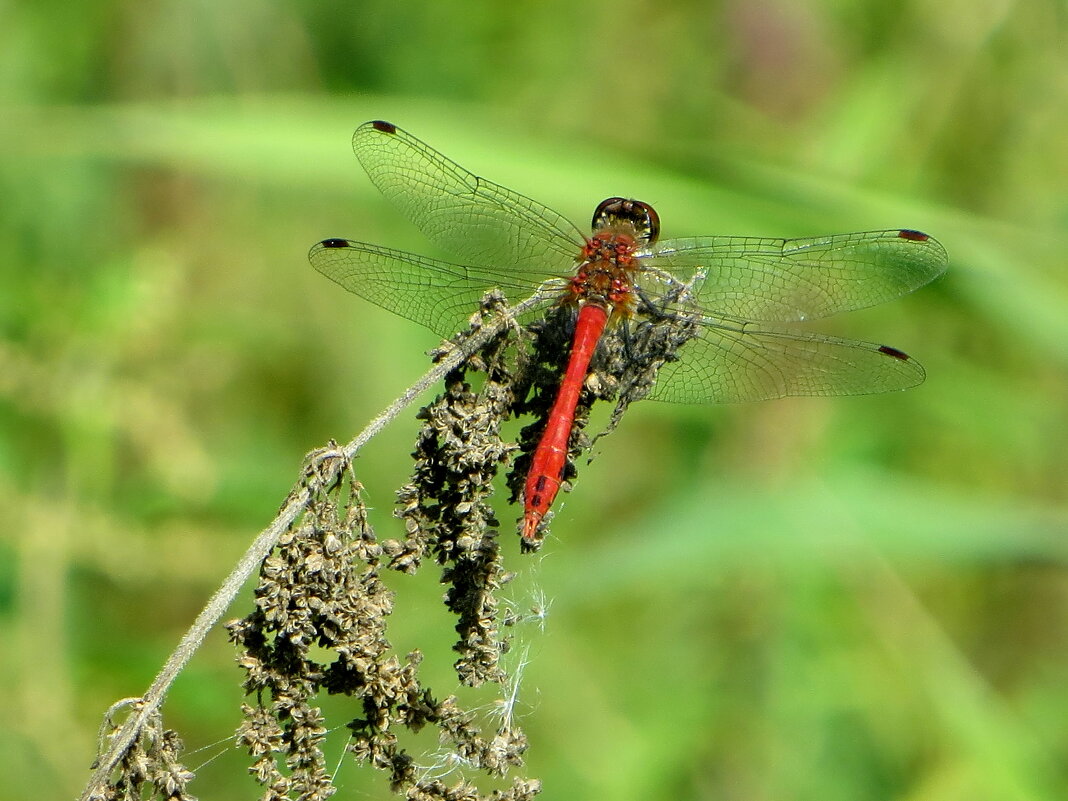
column 736, row 362
column 472, row 218
column 787, row 280
column 437, row 294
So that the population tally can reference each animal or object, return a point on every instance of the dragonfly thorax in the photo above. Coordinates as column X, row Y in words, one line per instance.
column 607, row 263
column 605, row 272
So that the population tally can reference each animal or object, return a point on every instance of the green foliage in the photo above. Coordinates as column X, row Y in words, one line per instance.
column 861, row 598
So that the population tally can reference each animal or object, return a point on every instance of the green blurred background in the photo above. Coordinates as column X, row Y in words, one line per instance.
column 861, row 598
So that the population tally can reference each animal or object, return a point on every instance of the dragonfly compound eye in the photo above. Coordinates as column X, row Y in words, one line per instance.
column 616, row 212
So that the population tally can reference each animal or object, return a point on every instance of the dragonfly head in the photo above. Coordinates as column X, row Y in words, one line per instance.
column 630, row 216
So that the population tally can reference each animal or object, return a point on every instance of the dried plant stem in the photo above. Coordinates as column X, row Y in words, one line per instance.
column 331, row 462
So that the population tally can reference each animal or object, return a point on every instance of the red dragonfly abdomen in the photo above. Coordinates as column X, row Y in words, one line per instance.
column 547, row 465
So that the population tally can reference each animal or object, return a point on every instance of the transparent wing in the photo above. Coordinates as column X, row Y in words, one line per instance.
column 472, row 218
column 787, row 280
column 736, row 362
column 437, row 294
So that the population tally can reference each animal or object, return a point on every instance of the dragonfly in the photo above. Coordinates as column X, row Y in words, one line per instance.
column 742, row 291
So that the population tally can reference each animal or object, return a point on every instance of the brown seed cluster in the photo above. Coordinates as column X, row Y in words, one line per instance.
column 320, row 592
column 446, row 511
column 150, row 768
column 321, row 588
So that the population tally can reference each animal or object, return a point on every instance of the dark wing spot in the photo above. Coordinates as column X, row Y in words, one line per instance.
column 913, row 236
column 384, row 127
column 894, row 353
column 335, row 243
